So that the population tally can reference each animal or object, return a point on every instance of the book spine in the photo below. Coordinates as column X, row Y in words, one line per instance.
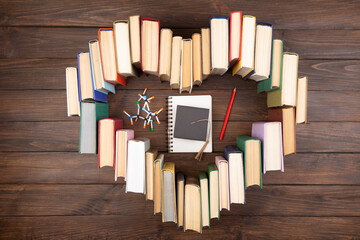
column 170, row 125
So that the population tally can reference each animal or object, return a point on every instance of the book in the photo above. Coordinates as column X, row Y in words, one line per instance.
column 271, row 136
column 134, row 27
column 72, row 92
column 235, row 37
column 192, row 205
column 214, row 197
column 245, row 66
column 236, row 174
column 158, row 165
column 91, row 113
column 180, row 186
column 96, row 69
column 223, row 168
column 186, row 74
column 108, row 56
column 107, row 141
column 196, row 59
column 251, row 147
column 166, row 36
column 121, row 158
column 301, row 100
column 122, row 49
column 275, row 79
column 205, row 52
column 150, row 31
column 219, row 41
column 175, row 62
column 263, row 48
column 287, row 118
column 168, row 193
column 286, row 96
column 150, row 157
column 135, row 172
column 204, row 198
column 87, row 91
column 187, row 142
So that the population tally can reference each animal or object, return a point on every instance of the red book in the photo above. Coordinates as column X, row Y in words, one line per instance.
column 107, row 141
column 235, row 37
column 108, row 57
column 150, row 45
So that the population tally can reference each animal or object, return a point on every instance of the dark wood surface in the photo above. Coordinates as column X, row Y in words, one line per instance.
column 49, row 191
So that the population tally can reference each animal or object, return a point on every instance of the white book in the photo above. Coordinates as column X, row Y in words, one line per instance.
column 186, row 145
column 72, row 92
column 135, row 174
column 219, row 35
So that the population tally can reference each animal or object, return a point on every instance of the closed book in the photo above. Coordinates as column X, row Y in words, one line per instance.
column 286, row 96
column 166, row 36
column 135, row 173
column 180, row 186
column 245, row 66
column 235, row 37
column 186, row 74
column 214, row 197
column 192, row 205
column 122, row 49
column 96, row 69
column 301, row 100
column 222, row 165
column 72, row 92
column 150, row 34
column 204, row 198
column 271, row 136
column 134, row 25
column 150, row 157
column 287, row 118
column 251, row 147
column 175, row 72
column 196, row 59
column 205, row 52
column 168, row 193
column 122, row 138
column 236, row 174
column 158, row 165
column 107, row 141
column 108, row 56
column 87, row 90
column 275, row 79
column 219, row 41
column 91, row 113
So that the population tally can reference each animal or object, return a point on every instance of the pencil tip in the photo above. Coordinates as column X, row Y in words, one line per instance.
column 235, row 89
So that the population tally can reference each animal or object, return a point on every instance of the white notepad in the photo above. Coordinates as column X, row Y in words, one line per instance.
column 185, row 145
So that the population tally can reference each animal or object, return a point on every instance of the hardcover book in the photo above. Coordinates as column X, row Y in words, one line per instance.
column 235, row 37
column 150, row 158
column 150, row 41
column 205, row 52
column 175, row 72
column 158, row 165
column 222, row 165
column 168, row 193
column 219, row 40
column 214, row 196
column 166, row 36
column 180, row 186
column 72, row 92
column 192, row 205
column 205, row 202
column 121, row 158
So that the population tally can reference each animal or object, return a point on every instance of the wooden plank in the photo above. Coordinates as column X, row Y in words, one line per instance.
column 320, row 14
column 139, row 227
column 59, row 200
column 70, row 167
column 50, row 74
column 34, row 42
column 63, row 136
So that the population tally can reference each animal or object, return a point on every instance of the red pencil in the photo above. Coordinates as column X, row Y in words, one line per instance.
column 227, row 114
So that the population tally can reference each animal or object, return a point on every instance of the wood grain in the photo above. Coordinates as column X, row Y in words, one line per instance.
column 70, row 167
column 149, row 226
column 320, row 14
column 64, row 136
column 34, row 42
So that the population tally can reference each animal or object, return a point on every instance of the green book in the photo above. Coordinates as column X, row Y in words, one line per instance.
column 214, row 192
column 91, row 113
column 251, row 148
column 204, row 199
column 274, row 82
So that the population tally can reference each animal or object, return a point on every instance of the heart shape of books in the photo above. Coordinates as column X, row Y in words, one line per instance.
column 245, row 46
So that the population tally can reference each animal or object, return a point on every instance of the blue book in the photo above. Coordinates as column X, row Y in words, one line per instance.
column 86, row 87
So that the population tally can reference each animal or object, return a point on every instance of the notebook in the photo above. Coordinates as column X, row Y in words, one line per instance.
column 182, row 111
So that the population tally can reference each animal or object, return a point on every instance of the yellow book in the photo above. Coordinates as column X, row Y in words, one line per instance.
column 168, row 193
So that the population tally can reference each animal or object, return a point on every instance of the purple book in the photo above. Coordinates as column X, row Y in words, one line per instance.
column 272, row 151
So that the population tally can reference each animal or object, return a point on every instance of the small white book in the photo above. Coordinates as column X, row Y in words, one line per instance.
column 135, row 174
column 199, row 104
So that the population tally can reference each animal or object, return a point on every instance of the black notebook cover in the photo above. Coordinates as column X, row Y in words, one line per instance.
column 184, row 128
